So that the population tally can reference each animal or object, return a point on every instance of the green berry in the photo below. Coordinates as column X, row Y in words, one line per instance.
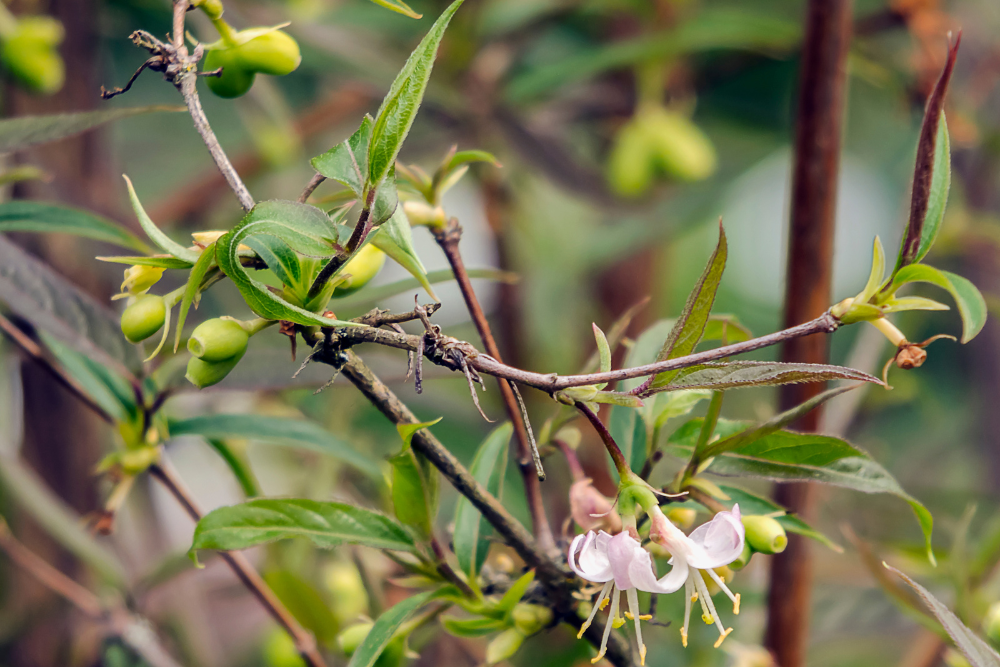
column 362, row 267
column 30, row 54
column 764, row 534
column 144, row 317
column 504, row 645
column 203, row 374
column 682, row 150
column 350, row 639
column 631, row 163
column 247, row 53
column 218, row 339
column 531, row 618
column 275, row 53
column 234, row 80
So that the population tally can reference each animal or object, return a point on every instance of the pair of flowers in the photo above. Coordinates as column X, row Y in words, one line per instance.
column 622, row 565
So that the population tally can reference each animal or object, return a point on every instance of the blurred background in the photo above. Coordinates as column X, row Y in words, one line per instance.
column 625, row 128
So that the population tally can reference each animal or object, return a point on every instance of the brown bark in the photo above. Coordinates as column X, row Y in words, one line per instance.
column 808, row 283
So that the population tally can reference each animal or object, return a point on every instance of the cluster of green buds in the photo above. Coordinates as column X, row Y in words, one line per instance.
column 423, row 191
column 243, row 54
column 658, row 140
column 29, row 49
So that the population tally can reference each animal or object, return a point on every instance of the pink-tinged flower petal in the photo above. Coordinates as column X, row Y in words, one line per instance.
column 588, row 560
column 718, row 542
column 643, row 576
column 591, row 509
column 622, row 550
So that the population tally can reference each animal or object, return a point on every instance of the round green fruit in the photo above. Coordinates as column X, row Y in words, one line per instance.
column 218, row 339
column 144, row 317
column 362, row 267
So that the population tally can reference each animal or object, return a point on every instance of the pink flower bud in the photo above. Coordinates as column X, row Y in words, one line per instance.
column 591, row 509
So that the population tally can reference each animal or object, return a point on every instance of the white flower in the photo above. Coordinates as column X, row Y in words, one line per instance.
column 621, row 564
column 711, row 545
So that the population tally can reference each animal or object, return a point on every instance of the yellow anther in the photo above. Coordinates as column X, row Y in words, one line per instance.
column 708, row 619
column 604, row 603
column 598, row 658
column 725, row 634
column 629, row 616
column 617, row 622
column 736, row 605
column 694, row 598
column 583, row 628
column 684, row 637
column 642, row 655
column 645, row 617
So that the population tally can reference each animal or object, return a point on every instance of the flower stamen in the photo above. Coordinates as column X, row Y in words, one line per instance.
column 612, row 615
column 688, row 599
column 600, row 603
column 633, row 611
column 725, row 589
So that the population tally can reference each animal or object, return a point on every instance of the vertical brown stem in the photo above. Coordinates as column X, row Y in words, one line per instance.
column 448, row 239
column 809, row 277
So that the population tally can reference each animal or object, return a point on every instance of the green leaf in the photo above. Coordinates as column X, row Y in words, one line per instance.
column 472, row 627
column 905, row 303
column 325, row 524
column 690, row 326
column 399, row 7
column 395, row 239
column 727, row 329
column 603, row 351
column 279, row 257
column 18, row 133
column 33, row 216
column 374, row 294
column 731, row 374
column 709, row 29
column 798, row 457
column 399, row 108
column 516, row 591
column 110, row 391
column 305, row 603
column 876, row 274
column 386, row 199
column 164, row 242
column 412, row 492
column 670, row 405
column 978, row 652
column 971, row 305
column 471, row 529
column 385, row 627
column 238, row 466
column 205, row 262
column 407, row 431
column 37, row 294
column 278, row 431
column 751, row 503
column 347, row 162
column 160, row 261
column 931, row 174
column 306, row 229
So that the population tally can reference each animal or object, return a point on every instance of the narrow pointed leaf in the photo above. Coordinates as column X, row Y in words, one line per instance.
column 386, row 199
column 971, row 305
column 931, row 174
column 471, row 529
column 399, row 108
column 278, row 431
column 399, row 7
column 164, row 242
column 110, row 391
column 905, row 303
column 325, row 524
column 877, row 272
column 690, row 326
column 516, row 591
column 306, row 229
column 347, row 162
column 385, row 627
column 976, row 651
column 730, row 375
column 395, row 238
column 18, row 133
column 205, row 262
column 159, row 261
column 32, row 216
column 786, row 456
column 48, row 301
column 411, row 493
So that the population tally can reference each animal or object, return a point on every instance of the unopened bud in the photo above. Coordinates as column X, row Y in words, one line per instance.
column 348, row 596
column 30, row 54
column 350, row 639
column 203, row 373
column 218, row 339
column 682, row 517
column 631, row 165
column 144, row 317
column 273, row 52
column 280, row 650
column 744, row 558
column 991, row 623
column 591, row 510
column 504, row 646
column 531, row 618
column 572, row 395
column 683, row 151
column 139, row 278
column 362, row 267
column 422, row 213
column 135, row 461
column 764, row 534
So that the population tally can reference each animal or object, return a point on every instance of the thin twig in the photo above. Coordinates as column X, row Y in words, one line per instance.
column 305, row 643
column 187, row 82
column 528, row 463
column 314, row 183
column 133, row 630
column 551, row 573
column 609, row 442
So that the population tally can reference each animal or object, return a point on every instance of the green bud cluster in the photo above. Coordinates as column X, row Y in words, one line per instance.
column 657, row 140
column 244, row 54
column 216, row 345
column 30, row 53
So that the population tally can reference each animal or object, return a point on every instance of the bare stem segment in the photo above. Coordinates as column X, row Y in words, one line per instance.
column 551, row 573
column 448, row 238
column 305, row 643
